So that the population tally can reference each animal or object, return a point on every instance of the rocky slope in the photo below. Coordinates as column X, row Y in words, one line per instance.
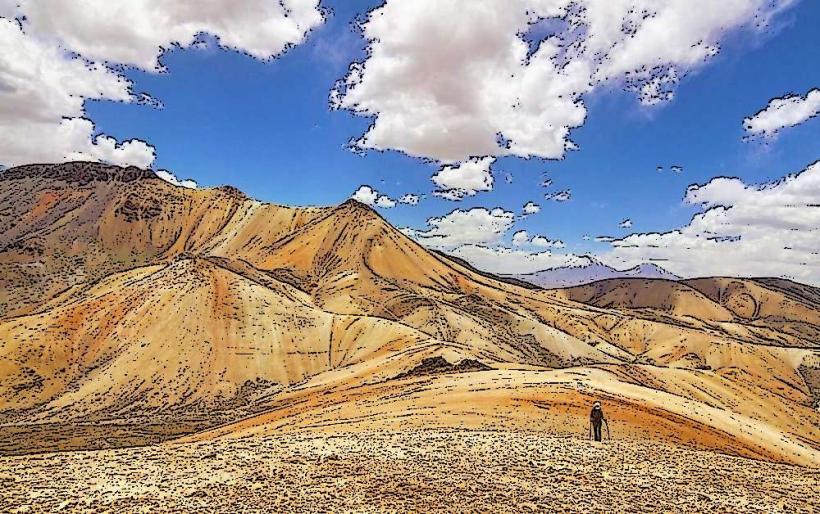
column 123, row 297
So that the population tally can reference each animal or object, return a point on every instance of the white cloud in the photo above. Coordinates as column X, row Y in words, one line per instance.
column 385, row 202
column 464, row 179
column 531, row 208
column 9, row 8
column 540, row 241
column 454, row 195
column 409, row 199
column 42, row 91
column 451, row 80
column 561, row 196
column 136, row 32
column 780, row 113
column 543, row 242
column 627, row 223
column 369, row 196
column 744, row 230
column 171, row 178
column 475, row 226
column 106, row 149
column 520, row 238
column 64, row 53
column 366, row 195
column 510, row 261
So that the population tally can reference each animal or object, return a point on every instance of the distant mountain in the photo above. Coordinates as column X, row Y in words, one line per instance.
column 592, row 271
column 649, row 270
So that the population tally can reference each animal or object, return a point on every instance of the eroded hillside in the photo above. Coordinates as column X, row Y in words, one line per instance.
column 123, row 296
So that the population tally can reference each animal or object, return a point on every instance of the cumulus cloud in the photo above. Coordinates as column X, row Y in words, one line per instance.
column 453, row 80
column 369, row 196
column 520, row 238
column 531, row 208
column 475, row 235
column 366, row 195
column 543, row 242
column 137, row 33
column 409, row 199
column 464, row 179
column 780, row 113
column 172, row 179
column 42, row 91
column 474, row 226
column 55, row 55
column 385, row 202
column 511, row 261
column 743, row 230
column 627, row 223
column 561, row 196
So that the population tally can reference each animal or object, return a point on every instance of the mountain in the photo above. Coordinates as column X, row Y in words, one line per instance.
column 128, row 302
column 649, row 270
column 591, row 271
column 115, row 260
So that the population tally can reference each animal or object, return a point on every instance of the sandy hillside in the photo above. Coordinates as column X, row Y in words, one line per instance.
column 126, row 300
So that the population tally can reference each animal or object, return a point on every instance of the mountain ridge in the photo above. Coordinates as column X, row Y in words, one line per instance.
column 142, row 300
column 595, row 270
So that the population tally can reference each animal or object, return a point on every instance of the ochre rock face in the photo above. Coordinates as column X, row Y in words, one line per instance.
column 124, row 296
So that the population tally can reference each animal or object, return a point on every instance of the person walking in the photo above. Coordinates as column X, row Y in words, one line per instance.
column 596, row 419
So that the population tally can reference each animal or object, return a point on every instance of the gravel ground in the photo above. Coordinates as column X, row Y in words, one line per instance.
column 422, row 471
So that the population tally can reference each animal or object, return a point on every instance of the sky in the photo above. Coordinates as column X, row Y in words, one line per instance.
column 520, row 135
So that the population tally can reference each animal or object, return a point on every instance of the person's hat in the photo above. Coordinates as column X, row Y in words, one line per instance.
column 596, row 405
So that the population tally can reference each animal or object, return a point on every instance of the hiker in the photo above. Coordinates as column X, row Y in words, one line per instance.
column 596, row 417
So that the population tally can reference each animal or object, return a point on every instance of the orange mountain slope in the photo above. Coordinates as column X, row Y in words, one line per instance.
column 123, row 296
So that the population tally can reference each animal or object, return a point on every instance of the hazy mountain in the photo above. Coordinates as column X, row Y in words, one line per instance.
column 591, row 271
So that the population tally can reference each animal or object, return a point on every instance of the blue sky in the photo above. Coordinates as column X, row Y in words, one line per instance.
column 265, row 126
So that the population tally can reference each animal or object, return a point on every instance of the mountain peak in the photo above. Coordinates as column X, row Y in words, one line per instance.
column 591, row 270
column 650, row 270
column 355, row 204
column 357, row 208
column 79, row 172
column 233, row 192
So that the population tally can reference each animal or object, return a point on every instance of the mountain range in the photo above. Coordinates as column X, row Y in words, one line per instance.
column 591, row 270
column 126, row 299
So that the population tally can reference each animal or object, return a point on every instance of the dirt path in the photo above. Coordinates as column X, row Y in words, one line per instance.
column 410, row 471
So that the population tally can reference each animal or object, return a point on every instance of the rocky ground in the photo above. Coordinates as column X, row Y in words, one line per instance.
column 422, row 471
